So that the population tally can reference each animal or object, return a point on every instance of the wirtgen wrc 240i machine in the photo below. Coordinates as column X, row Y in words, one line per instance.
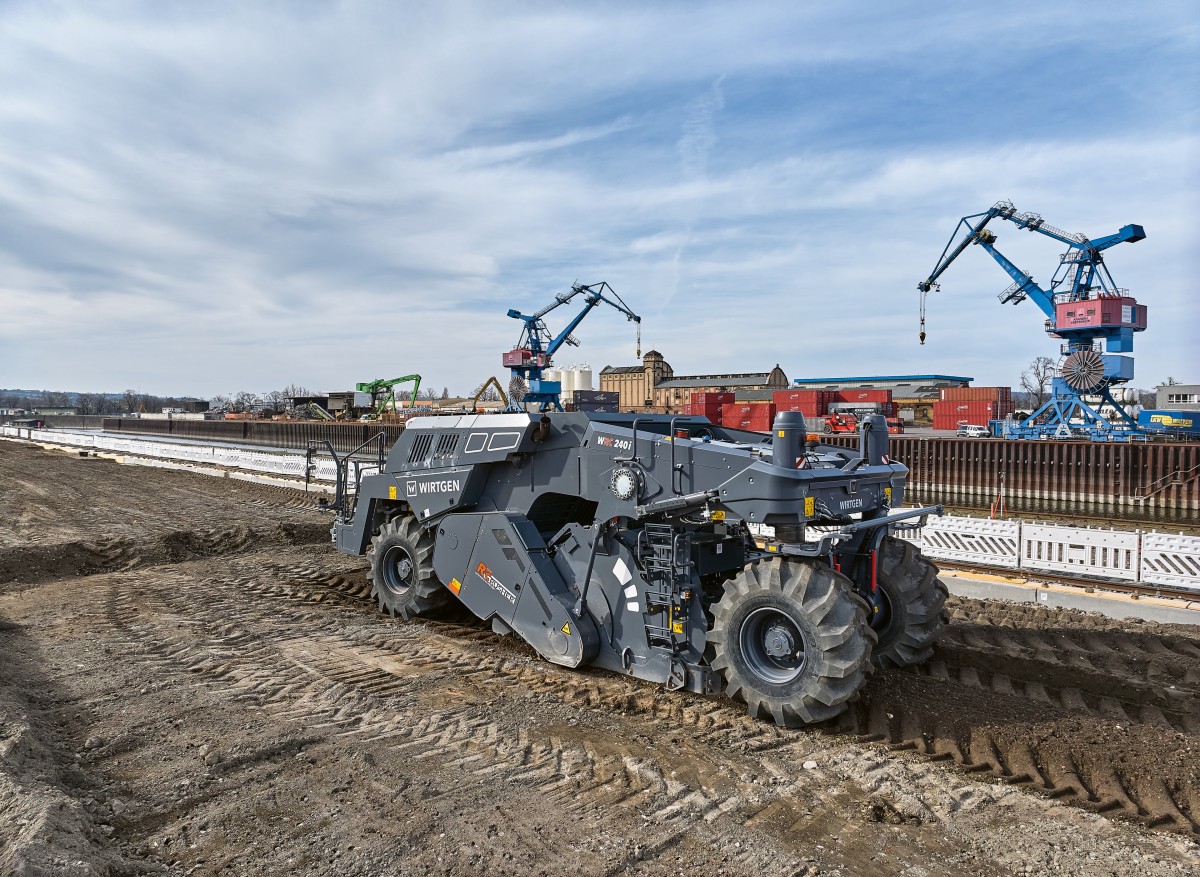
column 625, row 542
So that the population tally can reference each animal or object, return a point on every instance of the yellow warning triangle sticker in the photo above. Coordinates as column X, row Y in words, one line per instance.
column 566, row 628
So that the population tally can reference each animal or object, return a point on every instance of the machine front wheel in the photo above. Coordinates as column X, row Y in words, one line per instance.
column 908, row 614
column 402, row 576
column 791, row 639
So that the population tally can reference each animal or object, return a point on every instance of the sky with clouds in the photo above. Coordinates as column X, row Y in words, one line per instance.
column 201, row 198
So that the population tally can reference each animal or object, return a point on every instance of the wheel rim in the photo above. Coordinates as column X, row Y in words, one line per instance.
column 399, row 573
column 772, row 645
column 881, row 610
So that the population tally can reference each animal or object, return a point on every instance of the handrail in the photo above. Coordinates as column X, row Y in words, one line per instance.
column 1169, row 480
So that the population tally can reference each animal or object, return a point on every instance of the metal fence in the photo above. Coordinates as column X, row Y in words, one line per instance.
column 1150, row 558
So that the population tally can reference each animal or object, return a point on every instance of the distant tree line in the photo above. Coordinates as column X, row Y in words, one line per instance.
column 129, row 402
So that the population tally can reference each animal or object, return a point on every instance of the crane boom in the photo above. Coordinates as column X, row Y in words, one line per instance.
column 379, row 385
column 1083, row 308
column 537, row 346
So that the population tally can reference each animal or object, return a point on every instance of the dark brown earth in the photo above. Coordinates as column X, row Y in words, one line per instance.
column 193, row 682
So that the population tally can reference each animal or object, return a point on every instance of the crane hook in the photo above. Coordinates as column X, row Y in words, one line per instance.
column 639, row 340
column 924, row 287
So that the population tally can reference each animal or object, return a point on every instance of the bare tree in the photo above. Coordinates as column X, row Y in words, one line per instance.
column 245, row 401
column 277, row 400
column 1034, row 380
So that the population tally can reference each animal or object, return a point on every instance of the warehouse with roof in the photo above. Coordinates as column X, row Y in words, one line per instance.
column 654, row 386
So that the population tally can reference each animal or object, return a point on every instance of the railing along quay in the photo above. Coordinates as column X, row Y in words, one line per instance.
column 1127, row 479
column 295, row 434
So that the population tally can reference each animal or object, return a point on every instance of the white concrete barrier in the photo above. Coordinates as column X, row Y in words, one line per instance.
column 970, row 540
column 1172, row 560
column 1110, row 554
column 290, row 465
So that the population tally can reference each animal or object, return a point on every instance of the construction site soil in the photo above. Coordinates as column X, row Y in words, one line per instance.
column 192, row 681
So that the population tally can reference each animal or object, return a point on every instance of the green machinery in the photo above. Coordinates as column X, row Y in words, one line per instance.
column 383, row 394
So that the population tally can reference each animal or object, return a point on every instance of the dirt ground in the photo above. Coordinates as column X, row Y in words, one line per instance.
column 193, row 682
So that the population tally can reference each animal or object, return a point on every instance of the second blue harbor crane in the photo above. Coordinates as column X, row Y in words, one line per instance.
column 1093, row 318
column 536, row 346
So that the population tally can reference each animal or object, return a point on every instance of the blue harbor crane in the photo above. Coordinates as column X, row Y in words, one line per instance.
column 536, row 346
column 1092, row 317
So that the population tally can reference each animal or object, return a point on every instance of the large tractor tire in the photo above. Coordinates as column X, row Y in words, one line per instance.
column 402, row 576
column 909, row 616
column 791, row 640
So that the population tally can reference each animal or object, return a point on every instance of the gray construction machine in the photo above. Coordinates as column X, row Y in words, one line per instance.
column 662, row 547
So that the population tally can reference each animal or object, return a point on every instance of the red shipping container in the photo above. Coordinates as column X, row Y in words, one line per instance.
column 808, row 409
column 798, row 396
column 975, row 394
column 711, row 398
column 864, row 396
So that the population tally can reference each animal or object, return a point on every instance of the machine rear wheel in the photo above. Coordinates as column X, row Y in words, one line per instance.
column 402, row 576
column 791, row 640
column 909, row 616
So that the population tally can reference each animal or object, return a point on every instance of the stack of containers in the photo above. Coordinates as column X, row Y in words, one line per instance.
column 708, row 405
column 974, row 405
column 600, row 401
column 811, row 403
column 756, row 416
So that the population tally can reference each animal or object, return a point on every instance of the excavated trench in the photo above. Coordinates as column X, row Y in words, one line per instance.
column 196, row 683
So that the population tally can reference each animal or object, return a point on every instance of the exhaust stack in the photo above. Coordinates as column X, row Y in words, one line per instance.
column 788, row 436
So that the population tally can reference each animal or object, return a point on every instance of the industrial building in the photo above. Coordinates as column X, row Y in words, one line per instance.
column 1178, row 397
column 654, row 386
column 913, row 395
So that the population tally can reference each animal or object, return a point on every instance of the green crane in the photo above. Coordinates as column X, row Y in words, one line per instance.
column 386, row 389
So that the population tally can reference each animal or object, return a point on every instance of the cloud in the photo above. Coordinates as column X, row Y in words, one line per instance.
column 203, row 199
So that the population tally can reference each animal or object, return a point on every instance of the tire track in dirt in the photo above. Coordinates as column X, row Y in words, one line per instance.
column 383, row 663
column 55, row 497
column 35, row 563
column 346, row 689
column 431, row 696
column 1161, row 802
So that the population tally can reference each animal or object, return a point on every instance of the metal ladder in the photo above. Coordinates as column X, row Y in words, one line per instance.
column 667, row 555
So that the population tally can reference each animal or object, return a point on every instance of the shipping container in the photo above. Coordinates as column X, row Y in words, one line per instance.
column 802, row 396
column 884, row 396
column 596, row 396
column 975, row 394
column 598, row 407
column 711, row 398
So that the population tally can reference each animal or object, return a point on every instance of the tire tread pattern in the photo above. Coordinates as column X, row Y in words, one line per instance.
column 842, row 650
column 428, row 593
